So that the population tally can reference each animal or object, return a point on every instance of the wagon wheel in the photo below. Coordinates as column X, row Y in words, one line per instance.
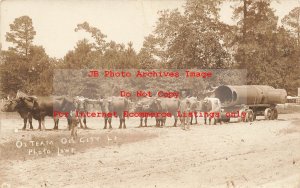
column 274, row 114
column 254, row 116
column 250, row 115
column 240, row 118
column 227, row 119
column 268, row 113
column 244, row 119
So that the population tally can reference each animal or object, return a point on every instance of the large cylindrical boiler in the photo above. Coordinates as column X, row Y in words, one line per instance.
column 249, row 95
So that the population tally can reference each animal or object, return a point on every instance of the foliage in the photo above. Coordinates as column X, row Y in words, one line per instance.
column 292, row 23
column 21, row 35
column 194, row 38
column 267, row 51
column 26, row 66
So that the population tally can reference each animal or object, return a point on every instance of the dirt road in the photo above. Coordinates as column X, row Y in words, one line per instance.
column 258, row 154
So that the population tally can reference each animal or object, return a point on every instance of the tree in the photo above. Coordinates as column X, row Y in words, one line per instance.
column 82, row 56
column 30, row 75
column 268, row 52
column 15, row 67
column 96, row 34
column 193, row 39
column 147, row 53
column 40, row 69
column 292, row 22
column 255, row 45
column 129, row 57
column 21, row 35
column 99, row 53
column 25, row 66
column 12, row 69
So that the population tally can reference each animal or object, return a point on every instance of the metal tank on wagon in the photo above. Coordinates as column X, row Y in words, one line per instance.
column 254, row 100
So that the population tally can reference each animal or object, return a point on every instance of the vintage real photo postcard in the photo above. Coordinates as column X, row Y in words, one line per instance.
column 150, row 93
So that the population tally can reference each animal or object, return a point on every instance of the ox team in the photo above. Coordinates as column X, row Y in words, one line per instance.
column 262, row 100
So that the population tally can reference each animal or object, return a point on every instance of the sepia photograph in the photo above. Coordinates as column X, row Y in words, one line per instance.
column 150, row 93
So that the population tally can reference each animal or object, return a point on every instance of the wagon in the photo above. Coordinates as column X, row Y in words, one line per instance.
column 254, row 100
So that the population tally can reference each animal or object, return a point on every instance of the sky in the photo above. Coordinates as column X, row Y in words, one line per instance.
column 121, row 20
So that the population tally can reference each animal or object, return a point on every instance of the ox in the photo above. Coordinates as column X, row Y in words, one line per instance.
column 164, row 105
column 144, row 106
column 82, row 105
column 115, row 104
column 12, row 105
column 39, row 108
column 212, row 108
